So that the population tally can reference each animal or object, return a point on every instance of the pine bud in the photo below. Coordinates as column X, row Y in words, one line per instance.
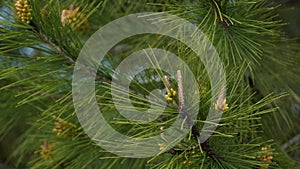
column 221, row 104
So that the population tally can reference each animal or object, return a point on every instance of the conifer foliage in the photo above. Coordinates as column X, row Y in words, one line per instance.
column 41, row 40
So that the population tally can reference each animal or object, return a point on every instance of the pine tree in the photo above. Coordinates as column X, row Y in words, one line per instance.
column 41, row 41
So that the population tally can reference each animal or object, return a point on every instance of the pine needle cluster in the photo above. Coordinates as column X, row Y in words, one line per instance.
column 41, row 40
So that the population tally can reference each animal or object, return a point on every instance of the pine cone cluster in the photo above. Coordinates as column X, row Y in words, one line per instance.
column 23, row 10
column 46, row 150
column 71, row 17
column 266, row 156
column 170, row 95
column 63, row 128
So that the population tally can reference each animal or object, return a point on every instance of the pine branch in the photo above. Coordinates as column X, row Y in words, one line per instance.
column 69, row 60
column 56, row 48
column 185, row 115
column 251, row 39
